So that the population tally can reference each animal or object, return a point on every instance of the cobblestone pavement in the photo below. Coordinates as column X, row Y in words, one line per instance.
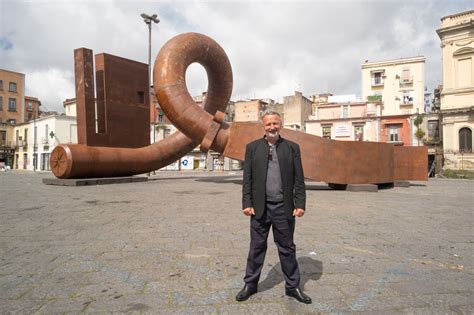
column 178, row 244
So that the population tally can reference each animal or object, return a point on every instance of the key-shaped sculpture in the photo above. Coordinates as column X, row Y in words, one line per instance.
column 331, row 161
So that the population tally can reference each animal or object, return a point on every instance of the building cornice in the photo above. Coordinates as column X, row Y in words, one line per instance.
column 460, row 110
column 22, row 74
column 457, row 91
column 393, row 62
column 454, row 28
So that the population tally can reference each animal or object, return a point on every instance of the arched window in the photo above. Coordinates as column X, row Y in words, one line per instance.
column 465, row 140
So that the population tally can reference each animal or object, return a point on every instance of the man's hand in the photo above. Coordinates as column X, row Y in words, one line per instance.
column 249, row 211
column 298, row 212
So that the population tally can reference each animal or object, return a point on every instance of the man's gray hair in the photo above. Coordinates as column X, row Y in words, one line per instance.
column 270, row 112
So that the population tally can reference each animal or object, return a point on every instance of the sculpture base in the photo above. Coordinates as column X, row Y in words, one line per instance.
column 94, row 181
column 355, row 187
column 399, row 183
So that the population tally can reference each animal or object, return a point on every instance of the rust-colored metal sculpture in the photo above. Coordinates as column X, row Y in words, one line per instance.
column 325, row 160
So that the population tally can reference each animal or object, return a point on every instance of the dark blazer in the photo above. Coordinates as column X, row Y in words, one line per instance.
column 255, row 176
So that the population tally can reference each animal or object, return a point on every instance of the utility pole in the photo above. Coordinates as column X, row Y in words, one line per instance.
column 148, row 19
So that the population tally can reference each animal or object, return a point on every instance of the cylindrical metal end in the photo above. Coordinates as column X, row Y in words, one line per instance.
column 61, row 161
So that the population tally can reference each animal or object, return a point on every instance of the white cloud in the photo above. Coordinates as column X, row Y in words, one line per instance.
column 274, row 47
column 50, row 86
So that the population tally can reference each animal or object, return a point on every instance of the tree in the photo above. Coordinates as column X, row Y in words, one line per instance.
column 419, row 133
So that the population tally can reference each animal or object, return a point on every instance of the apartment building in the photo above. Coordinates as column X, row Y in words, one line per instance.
column 249, row 110
column 7, row 145
column 344, row 118
column 12, row 97
column 296, row 110
column 35, row 140
column 457, row 95
column 399, row 84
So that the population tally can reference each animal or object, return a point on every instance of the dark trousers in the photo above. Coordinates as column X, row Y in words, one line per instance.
column 283, row 229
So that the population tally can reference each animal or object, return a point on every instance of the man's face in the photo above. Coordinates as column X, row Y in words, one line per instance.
column 272, row 125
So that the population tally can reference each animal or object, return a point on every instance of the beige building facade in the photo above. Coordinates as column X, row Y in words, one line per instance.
column 35, row 140
column 7, row 145
column 457, row 96
column 296, row 110
column 346, row 121
column 249, row 110
column 400, row 85
column 399, row 82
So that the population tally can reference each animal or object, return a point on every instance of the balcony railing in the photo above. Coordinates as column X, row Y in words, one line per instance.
column 7, row 144
column 406, row 80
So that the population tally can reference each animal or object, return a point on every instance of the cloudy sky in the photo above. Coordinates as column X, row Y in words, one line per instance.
column 275, row 47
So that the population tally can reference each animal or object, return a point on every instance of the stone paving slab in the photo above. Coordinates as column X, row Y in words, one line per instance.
column 177, row 244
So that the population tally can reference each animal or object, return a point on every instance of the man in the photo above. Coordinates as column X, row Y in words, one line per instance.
column 273, row 194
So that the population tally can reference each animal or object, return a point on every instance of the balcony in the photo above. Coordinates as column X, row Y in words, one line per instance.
column 4, row 144
column 377, row 82
column 406, row 80
column 433, row 140
column 374, row 98
column 44, row 140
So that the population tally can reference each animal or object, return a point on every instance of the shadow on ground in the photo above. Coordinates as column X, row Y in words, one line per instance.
column 238, row 181
column 310, row 269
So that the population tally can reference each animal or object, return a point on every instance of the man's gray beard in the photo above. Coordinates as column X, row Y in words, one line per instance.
column 273, row 134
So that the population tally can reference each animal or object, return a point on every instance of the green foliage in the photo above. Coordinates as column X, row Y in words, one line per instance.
column 372, row 98
column 418, row 120
column 457, row 174
column 419, row 133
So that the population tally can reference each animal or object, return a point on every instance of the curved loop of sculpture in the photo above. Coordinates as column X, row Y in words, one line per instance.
column 331, row 161
column 79, row 161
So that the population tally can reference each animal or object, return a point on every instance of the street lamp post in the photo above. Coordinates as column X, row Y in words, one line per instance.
column 148, row 19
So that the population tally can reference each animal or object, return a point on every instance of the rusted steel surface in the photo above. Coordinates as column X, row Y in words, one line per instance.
column 410, row 163
column 169, row 74
column 331, row 161
column 337, row 162
column 122, row 101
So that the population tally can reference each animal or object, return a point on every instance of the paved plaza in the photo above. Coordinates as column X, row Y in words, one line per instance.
column 177, row 244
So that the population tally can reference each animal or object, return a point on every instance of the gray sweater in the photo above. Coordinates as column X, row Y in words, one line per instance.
column 274, row 188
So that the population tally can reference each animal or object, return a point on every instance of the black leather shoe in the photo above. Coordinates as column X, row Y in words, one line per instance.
column 245, row 293
column 299, row 295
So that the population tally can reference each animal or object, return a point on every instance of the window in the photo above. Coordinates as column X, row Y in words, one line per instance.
column 464, row 73
column 407, row 98
column 359, row 133
column 141, row 97
column 26, row 135
column 30, row 106
column 46, row 131
column 433, row 130
column 327, row 132
column 394, row 133
column 1, row 103
column 17, row 136
column 1, row 85
column 45, row 162
column 12, row 87
column 345, row 111
column 377, row 77
column 12, row 104
column 406, row 76
column 3, row 137
column 465, row 140
column 35, row 161
column 160, row 116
